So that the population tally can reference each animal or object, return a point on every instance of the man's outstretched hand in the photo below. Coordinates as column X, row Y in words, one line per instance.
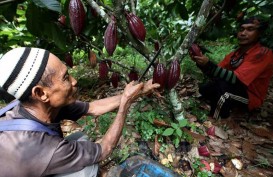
column 133, row 90
column 149, row 87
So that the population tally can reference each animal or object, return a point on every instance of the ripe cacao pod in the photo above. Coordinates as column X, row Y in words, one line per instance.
column 133, row 75
column 194, row 50
column 92, row 58
column 110, row 36
column 62, row 20
column 173, row 74
column 136, row 26
column 115, row 78
column 76, row 15
column 160, row 76
column 69, row 60
column 103, row 70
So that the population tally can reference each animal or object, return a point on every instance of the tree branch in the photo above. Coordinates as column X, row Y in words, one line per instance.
column 194, row 31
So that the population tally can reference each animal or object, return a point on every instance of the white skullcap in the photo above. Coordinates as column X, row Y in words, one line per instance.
column 21, row 69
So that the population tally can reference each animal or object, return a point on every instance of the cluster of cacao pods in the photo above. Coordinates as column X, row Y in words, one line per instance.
column 167, row 78
column 110, row 36
column 136, row 26
column 194, row 50
column 76, row 16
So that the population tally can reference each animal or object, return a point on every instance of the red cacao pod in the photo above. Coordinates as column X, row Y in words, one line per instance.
column 76, row 15
column 133, row 75
column 173, row 74
column 62, row 20
column 136, row 26
column 103, row 70
column 69, row 60
column 92, row 58
column 194, row 50
column 110, row 36
column 115, row 78
column 160, row 76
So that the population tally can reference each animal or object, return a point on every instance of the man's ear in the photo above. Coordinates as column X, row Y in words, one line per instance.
column 40, row 93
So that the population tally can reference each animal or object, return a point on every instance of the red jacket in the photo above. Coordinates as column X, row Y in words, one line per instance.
column 255, row 72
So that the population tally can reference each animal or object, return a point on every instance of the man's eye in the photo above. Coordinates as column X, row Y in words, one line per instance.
column 248, row 29
column 66, row 77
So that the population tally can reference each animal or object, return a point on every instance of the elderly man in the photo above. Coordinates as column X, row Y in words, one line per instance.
column 34, row 146
column 243, row 77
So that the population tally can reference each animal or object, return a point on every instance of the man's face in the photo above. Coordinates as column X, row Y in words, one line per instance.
column 248, row 34
column 63, row 90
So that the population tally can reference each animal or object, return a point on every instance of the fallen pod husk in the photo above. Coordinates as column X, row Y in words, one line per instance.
column 203, row 151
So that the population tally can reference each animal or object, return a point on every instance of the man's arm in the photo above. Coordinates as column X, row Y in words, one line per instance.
column 110, row 139
column 105, row 105
column 214, row 71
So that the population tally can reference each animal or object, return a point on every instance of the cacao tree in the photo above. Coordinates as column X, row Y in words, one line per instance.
column 175, row 25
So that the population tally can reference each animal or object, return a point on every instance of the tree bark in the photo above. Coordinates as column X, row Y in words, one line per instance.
column 195, row 30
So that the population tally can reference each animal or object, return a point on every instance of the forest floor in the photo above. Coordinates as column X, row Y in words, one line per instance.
column 242, row 144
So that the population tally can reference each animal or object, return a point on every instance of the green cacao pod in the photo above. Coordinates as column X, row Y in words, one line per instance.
column 160, row 76
column 69, row 60
column 103, row 70
column 133, row 75
column 194, row 50
column 115, row 78
column 173, row 74
column 76, row 15
column 136, row 26
column 110, row 36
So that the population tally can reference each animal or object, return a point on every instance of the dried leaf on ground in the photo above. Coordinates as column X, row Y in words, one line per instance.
column 249, row 150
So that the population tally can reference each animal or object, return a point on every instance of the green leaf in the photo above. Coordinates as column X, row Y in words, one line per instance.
column 49, row 4
column 175, row 126
column 176, row 142
column 183, row 123
column 168, row 132
column 179, row 132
